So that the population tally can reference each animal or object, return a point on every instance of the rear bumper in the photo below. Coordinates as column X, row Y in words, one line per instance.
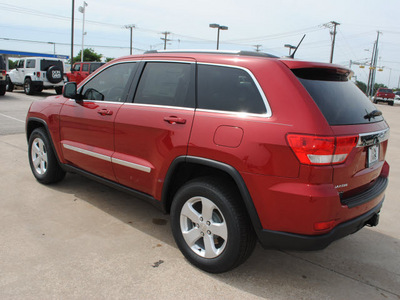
column 290, row 241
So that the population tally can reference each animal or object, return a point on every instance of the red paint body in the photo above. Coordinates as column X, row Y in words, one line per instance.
column 288, row 196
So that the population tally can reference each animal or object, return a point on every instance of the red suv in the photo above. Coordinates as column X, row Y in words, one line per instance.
column 236, row 146
column 384, row 95
column 81, row 70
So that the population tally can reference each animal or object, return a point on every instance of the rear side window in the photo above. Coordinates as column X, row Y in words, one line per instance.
column 228, row 89
column 45, row 64
column 169, row 84
column 95, row 66
column 30, row 63
column 2, row 63
column 339, row 100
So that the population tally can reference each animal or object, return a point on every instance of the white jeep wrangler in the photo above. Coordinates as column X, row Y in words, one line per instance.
column 36, row 74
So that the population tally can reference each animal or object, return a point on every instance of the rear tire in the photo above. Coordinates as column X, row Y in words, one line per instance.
column 391, row 103
column 42, row 159
column 2, row 90
column 210, row 225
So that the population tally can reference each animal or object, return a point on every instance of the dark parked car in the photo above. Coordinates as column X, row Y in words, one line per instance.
column 236, row 146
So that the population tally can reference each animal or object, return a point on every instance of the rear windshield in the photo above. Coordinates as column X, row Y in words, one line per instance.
column 45, row 64
column 340, row 100
column 387, row 91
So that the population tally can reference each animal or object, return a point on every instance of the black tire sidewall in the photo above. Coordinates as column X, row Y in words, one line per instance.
column 229, row 258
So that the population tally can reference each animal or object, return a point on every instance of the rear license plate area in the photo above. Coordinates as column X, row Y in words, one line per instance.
column 372, row 155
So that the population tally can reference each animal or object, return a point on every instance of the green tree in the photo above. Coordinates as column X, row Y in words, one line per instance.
column 88, row 55
column 11, row 64
column 362, row 86
column 109, row 59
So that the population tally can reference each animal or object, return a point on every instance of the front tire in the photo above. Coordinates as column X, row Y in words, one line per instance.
column 10, row 85
column 210, row 225
column 42, row 159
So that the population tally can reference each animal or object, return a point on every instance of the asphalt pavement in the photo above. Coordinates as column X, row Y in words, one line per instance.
column 81, row 240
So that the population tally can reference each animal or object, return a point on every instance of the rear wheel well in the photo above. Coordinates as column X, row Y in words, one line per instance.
column 185, row 172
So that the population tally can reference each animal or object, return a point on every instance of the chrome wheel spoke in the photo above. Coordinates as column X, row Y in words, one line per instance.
column 189, row 212
column 208, row 209
column 210, row 250
column 192, row 236
column 219, row 229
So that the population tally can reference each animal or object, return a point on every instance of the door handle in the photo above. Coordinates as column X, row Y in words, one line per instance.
column 174, row 120
column 105, row 112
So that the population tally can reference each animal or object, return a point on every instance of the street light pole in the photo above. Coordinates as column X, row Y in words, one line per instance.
column 82, row 9
column 219, row 27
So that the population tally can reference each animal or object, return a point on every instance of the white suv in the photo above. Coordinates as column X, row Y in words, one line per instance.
column 36, row 74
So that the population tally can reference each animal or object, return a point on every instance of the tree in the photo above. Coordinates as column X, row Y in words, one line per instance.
column 362, row 86
column 109, row 59
column 88, row 55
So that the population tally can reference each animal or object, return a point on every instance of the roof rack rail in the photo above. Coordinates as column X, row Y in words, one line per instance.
column 233, row 52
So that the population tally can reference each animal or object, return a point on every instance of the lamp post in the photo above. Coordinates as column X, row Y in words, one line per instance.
column 290, row 48
column 219, row 27
column 82, row 9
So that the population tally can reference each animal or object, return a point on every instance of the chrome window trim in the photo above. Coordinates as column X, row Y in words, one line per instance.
column 108, row 158
column 160, row 106
column 264, row 98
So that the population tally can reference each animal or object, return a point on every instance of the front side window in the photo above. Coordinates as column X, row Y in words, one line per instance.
column 169, row 84
column 228, row 89
column 30, row 63
column 112, row 84
column 76, row 67
column 21, row 63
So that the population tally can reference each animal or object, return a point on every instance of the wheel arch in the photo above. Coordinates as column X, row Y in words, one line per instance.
column 185, row 168
column 33, row 123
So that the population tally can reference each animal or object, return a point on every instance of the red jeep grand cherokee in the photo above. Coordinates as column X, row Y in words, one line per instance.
column 236, row 146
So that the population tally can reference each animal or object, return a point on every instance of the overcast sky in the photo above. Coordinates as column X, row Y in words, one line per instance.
column 270, row 24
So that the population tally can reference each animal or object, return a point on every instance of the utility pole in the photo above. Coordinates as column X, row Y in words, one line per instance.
column 334, row 24
column 258, row 47
column 82, row 9
column 131, row 26
column 372, row 68
column 165, row 38
column 72, row 33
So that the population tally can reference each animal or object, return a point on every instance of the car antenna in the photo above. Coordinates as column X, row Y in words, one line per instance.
column 292, row 55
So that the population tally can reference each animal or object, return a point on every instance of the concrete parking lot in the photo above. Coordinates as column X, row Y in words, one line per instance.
column 81, row 240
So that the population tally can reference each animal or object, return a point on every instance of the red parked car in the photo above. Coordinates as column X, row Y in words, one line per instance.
column 81, row 70
column 384, row 95
column 236, row 146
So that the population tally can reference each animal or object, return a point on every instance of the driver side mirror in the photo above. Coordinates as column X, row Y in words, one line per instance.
column 70, row 91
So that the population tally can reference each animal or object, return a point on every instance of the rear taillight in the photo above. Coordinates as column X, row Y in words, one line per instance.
column 38, row 74
column 321, row 150
column 3, row 72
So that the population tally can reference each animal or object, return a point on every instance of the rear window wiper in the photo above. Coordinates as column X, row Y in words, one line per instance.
column 372, row 114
